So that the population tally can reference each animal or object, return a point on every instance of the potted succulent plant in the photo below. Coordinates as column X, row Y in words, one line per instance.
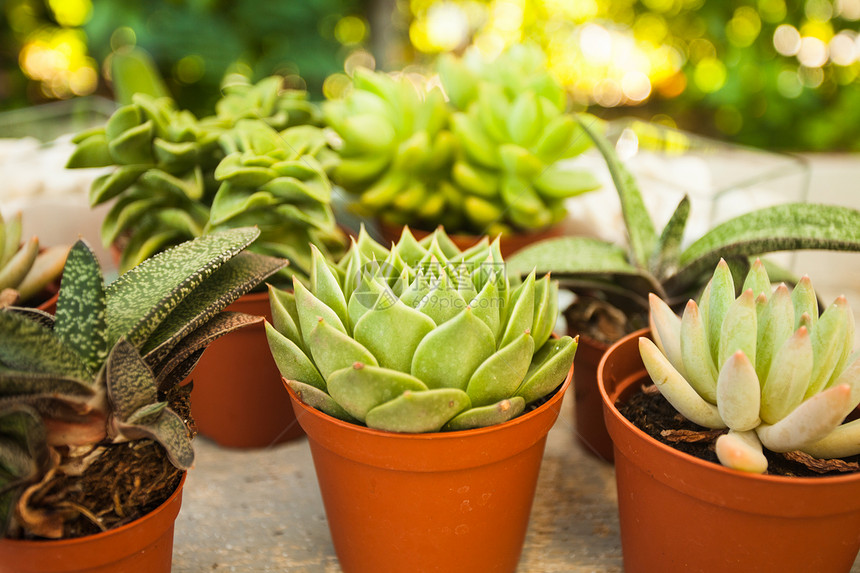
column 257, row 161
column 613, row 279
column 426, row 384
column 760, row 384
column 487, row 160
column 94, row 427
column 28, row 274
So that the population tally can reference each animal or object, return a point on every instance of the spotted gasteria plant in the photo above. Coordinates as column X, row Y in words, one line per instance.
column 764, row 365
column 24, row 271
column 257, row 161
column 74, row 385
column 420, row 338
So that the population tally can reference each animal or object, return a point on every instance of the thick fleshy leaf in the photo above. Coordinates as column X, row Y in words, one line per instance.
column 521, row 312
column 828, row 337
column 739, row 329
column 757, row 280
column 487, row 306
column 442, row 302
column 570, row 255
column 721, row 295
column 142, row 298
column 450, row 354
column 666, row 330
column 12, row 229
column 311, row 310
column 285, row 316
column 548, row 369
column 500, row 375
column 842, row 442
column 805, row 302
column 787, row 378
column 292, row 362
column 80, row 318
column 316, row 398
column 361, row 388
column 326, row 287
column 699, row 368
column 47, row 267
column 546, row 310
column 332, row 349
column 28, row 346
column 808, row 423
column 109, row 186
column 489, row 415
column 168, row 430
column 19, row 265
column 775, row 325
column 741, row 451
column 392, row 333
column 739, row 393
column 664, row 261
column 129, row 381
column 418, row 412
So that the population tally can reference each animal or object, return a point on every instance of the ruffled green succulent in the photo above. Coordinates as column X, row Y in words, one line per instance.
column 420, row 338
column 24, row 271
column 513, row 132
column 765, row 365
column 97, row 373
column 395, row 149
column 178, row 177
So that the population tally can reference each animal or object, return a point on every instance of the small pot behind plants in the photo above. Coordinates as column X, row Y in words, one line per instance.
column 589, row 427
column 680, row 513
column 237, row 399
column 447, row 501
column 142, row 546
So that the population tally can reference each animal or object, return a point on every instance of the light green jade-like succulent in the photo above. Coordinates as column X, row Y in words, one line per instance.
column 419, row 338
column 24, row 271
column 765, row 365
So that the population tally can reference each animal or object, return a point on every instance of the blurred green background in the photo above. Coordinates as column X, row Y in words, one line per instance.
column 771, row 73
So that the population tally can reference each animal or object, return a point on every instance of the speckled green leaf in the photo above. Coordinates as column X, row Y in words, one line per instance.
column 292, row 362
column 24, row 455
column 548, row 369
column 570, row 255
column 39, row 316
column 80, row 318
column 20, row 383
column 28, row 346
column 664, row 261
column 417, row 412
column 146, row 240
column 318, row 399
column 168, row 430
column 448, row 356
column 106, row 187
column 230, row 281
column 148, row 414
column 489, row 415
column 392, row 333
column 332, row 349
column 142, row 298
column 359, row 388
column 129, row 381
column 500, row 375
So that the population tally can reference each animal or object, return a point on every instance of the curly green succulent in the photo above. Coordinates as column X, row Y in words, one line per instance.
column 420, row 338
column 764, row 365
column 265, row 100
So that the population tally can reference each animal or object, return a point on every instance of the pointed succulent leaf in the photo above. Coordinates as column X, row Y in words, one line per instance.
column 326, row 287
column 332, row 349
column 757, row 280
column 739, row 393
column 500, row 375
column 285, row 316
column 666, row 330
column 20, row 383
column 741, row 451
column 788, row 377
column 487, row 306
column 483, row 416
column 739, row 329
column 369, row 293
column 416, row 412
column 521, row 313
column 168, row 430
column 775, row 325
column 699, row 368
column 850, row 376
column 292, row 362
column 28, row 346
column 676, row 389
column 570, row 256
column 409, row 249
column 11, row 235
column 450, row 354
column 80, row 317
column 664, row 261
column 842, row 442
column 721, row 295
column 545, row 311
column 370, row 248
column 808, row 423
column 548, row 369
column 828, row 338
column 129, row 381
column 38, row 316
column 47, row 267
column 142, row 298
column 311, row 310
column 230, row 281
column 316, row 398
column 805, row 302
column 442, row 302
column 147, row 414
column 106, row 187
column 19, row 264
column 361, row 388
column 847, row 355
column 376, row 331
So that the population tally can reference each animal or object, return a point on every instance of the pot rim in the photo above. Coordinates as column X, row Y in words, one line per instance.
column 729, row 473
column 45, row 543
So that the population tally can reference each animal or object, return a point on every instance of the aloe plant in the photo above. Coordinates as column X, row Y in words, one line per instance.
column 419, row 338
column 764, row 365
column 178, row 177
column 658, row 264
column 74, row 385
column 24, row 270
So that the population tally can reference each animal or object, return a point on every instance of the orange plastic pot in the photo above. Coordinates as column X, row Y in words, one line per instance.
column 511, row 242
column 589, row 427
column 142, row 546
column 448, row 502
column 680, row 513
column 237, row 399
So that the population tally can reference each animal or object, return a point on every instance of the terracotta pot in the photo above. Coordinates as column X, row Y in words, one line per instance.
column 237, row 398
column 682, row 513
column 589, row 427
column 448, row 502
column 511, row 243
column 142, row 546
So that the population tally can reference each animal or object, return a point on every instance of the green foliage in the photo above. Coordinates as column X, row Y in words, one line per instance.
column 98, row 373
column 773, row 382
column 24, row 271
column 420, row 338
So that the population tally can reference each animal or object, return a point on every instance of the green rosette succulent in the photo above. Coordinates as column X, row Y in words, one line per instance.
column 395, row 150
column 265, row 100
column 97, row 374
column 420, row 338
column 765, row 365
column 24, row 270
column 513, row 133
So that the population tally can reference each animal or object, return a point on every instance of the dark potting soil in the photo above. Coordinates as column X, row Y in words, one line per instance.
column 601, row 321
column 125, row 483
column 653, row 414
